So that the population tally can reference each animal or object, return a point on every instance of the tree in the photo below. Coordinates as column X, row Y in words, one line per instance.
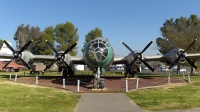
column 34, row 34
column 25, row 34
column 22, row 35
column 96, row 33
column 66, row 35
column 42, row 47
column 182, row 32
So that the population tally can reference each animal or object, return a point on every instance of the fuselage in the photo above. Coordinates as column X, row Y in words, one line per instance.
column 98, row 53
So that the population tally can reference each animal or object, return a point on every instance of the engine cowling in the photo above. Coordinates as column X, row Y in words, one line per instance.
column 137, row 63
column 26, row 56
column 67, row 59
column 172, row 55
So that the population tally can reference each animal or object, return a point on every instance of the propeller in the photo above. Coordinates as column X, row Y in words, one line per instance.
column 182, row 55
column 17, row 54
column 138, row 56
column 59, row 56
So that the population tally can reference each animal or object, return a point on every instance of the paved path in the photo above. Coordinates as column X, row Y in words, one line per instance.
column 106, row 102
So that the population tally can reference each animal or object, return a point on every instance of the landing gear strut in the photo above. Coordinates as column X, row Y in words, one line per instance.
column 98, row 82
column 130, row 74
column 67, row 72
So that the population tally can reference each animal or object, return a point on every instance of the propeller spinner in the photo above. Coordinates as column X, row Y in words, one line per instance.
column 182, row 55
column 59, row 56
column 17, row 54
column 138, row 56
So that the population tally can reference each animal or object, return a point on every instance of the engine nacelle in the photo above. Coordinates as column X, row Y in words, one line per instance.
column 26, row 56
column 172, row 55
column 137, row 63
column 67, row 59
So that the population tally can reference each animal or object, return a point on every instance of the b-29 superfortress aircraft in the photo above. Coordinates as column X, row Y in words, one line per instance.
column 99, row 54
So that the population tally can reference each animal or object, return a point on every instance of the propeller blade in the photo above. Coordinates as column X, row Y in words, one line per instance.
column 146, row 47
column 70, row 48
column 191, row 44
column 64, row 62
column 7, row 63
column 127, row 46
column 8, row 45
column 131, row 64
column 50, row 45
column 50, row 65
column 172, row 44
column 176, row 61
column 190, row 62
column 25, row 63
column 25, row 46
column 146, row 64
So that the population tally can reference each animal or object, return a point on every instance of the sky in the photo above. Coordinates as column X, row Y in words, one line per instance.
column 136, row 22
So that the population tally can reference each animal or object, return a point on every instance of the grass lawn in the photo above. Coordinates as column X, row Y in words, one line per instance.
column 182, row 97
column 16, row 97
column 31, row 98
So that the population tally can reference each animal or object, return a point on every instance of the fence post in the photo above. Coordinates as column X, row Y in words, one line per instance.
column 137, row 81
column 63, row 83
column 126, row 85
column 183, row 75
column 113, row 73
column 10, row 76
column 78, row 84
column 36, row 80
column 15, row 77
column 188, row 77
column 169, row 78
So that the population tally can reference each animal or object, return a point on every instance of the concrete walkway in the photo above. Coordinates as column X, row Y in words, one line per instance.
column 106, row 102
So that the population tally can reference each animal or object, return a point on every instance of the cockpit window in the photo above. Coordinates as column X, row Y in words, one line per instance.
column 100, row 41
column 98, row 50
column 102, row 46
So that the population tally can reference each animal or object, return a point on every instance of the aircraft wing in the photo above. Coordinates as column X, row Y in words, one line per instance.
column 155, row 58
column 74, row 59
column 194, row 56
column 125, row 60
column 77, row 60
column 6, row 56
column 120, row 60
column 43, row 57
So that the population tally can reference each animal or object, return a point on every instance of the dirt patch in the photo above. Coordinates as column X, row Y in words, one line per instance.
column 111, row 84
